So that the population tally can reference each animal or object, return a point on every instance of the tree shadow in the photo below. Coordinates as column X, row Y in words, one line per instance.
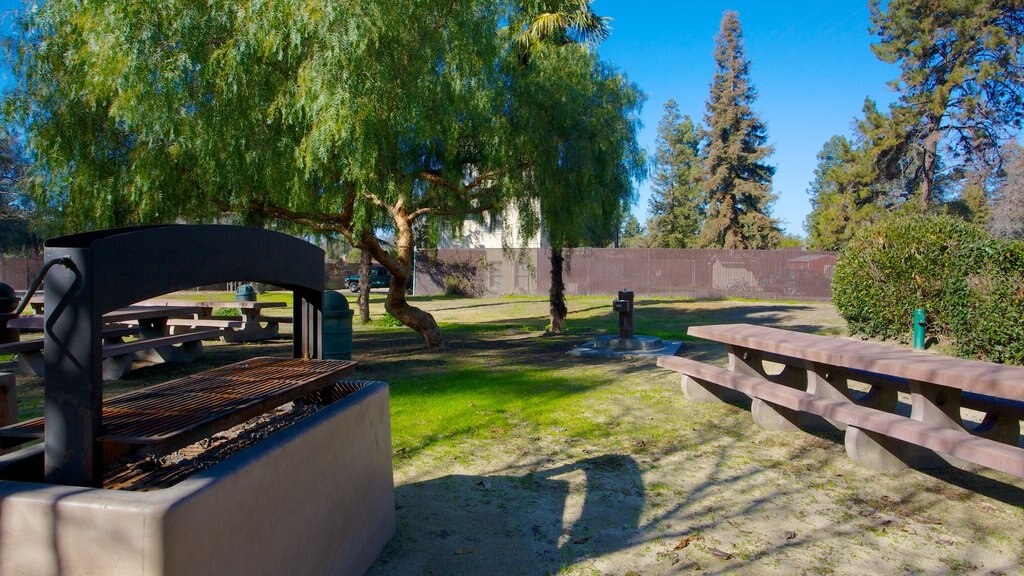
column 541, row 517
column 531, row 523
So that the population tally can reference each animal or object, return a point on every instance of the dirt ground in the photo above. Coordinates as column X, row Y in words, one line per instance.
column 679, row 487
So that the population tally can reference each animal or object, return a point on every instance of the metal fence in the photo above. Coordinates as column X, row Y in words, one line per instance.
column 18, row 271
column 762, row 274
column 787, row 274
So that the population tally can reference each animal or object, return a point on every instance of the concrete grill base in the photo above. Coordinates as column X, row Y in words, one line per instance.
column 315, row 498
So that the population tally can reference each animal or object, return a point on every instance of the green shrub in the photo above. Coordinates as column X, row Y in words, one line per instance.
column 985, row 302
column 462, row 278
column 903, row 262
column 387, row 321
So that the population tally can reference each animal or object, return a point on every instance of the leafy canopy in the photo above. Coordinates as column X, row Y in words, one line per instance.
column 961, row 82
column 330, row 117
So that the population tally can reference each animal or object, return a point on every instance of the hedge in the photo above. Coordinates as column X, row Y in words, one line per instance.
column 903, row 262
column 985, row 302
column 971, row 284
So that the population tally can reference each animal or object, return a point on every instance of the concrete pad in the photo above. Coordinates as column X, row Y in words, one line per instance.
column 669, row 348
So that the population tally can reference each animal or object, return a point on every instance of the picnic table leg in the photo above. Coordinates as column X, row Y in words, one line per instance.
column 31, row 363
column 998, row 427
column 695, row 391
column 184, row 353
column 807, row 377
column 829, row 382
column 931, row 404
column 8, row 399
column 251, row 330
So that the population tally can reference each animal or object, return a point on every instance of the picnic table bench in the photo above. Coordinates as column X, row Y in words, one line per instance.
column 246, row 326
column 160, row 419
column 155, row 344
column 813, row 389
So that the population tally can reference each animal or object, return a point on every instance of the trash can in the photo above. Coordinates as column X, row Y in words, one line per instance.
column 8, row 298
column 245, row 293
column 337, row 320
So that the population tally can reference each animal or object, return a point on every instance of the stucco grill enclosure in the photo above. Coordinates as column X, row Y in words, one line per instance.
column 111, row 269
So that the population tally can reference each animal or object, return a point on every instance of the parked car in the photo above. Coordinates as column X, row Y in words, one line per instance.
column 379, row 278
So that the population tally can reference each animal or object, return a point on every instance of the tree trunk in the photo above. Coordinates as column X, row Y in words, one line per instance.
column 931, row 145
column 364, row 286
column 400, row 266
column 556, row 296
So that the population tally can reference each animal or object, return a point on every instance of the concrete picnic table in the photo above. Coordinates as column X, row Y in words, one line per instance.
column 150, row 323
column 812, row 390
column 245, row 327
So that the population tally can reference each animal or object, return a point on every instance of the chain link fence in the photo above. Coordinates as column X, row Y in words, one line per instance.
column 762, row 274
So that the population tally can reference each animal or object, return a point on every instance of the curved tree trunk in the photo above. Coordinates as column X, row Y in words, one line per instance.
column 931, row 146
column 556, row 296
column 400, row 267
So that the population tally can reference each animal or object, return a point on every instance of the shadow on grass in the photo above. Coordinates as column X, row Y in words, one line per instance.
column 664, row 319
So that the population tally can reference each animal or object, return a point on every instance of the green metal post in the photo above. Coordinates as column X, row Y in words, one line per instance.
column 919, row 322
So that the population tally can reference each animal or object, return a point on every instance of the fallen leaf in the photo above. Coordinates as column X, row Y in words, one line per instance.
column 719, row 553
column 582, row 540
column 684, row 542
column 463, row 551
column 790, row 535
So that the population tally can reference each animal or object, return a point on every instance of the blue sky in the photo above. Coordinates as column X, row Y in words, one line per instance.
column 811, row 63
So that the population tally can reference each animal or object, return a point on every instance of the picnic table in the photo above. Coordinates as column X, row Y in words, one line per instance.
column 854, row 386
column 149, row 323
column 35, row 302
column 249, row 325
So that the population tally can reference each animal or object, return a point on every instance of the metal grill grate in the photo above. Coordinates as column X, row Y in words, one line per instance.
column 164, row 417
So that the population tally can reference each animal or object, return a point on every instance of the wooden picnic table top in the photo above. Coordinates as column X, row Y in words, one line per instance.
column 970, row 375
column 162, row 418
column 246, row 304
column 36, row 321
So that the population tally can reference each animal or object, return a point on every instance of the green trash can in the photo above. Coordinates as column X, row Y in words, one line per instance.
column 8, row 299
column 245, row 293
column 337, row 320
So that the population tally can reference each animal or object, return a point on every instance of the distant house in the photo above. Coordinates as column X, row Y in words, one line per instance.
column 483, row 241
column 820, row 263
column 498, row 232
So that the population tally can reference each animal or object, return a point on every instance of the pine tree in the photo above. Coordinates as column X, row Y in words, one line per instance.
column 961, row 72
column 737, row 179
column 675, row 200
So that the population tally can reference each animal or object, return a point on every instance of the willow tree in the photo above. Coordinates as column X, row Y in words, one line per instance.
column 323, row 115
column 961, row 84
column 737, row 179
column 592, row 156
